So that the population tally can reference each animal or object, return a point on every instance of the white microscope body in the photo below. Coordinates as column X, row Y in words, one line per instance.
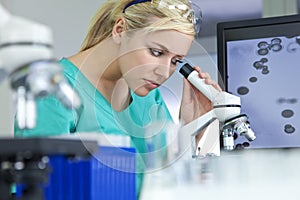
column 226, row 108
column 22, row 41
column 26, row 58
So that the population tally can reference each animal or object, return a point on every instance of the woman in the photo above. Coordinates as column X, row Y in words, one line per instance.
column 131, row 48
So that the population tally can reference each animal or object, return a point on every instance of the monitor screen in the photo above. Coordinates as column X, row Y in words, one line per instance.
column 259, row 61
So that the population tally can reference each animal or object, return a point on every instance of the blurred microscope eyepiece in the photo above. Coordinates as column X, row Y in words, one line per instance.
column 36, row 80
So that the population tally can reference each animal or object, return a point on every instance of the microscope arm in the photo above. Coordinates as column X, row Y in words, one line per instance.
column 189, row 132
column 195, row 127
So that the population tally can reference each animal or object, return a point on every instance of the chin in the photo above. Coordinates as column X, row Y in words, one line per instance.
column 142, row 92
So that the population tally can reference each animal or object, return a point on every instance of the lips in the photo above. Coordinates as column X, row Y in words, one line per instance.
column 151, row 84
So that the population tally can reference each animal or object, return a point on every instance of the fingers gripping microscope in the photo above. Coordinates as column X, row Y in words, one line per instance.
column 226, row 108
column 26, row 59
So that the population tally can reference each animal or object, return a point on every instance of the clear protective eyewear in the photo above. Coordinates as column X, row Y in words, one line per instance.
column 193, row 12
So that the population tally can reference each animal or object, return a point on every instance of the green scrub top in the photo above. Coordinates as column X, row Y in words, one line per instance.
column 97, row 115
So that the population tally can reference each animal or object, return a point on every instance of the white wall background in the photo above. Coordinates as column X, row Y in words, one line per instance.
column 69, row 21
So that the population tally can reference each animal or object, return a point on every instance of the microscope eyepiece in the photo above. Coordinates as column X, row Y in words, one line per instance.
column 186, row 70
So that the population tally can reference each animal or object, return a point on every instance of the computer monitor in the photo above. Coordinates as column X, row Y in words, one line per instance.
column 259, row 61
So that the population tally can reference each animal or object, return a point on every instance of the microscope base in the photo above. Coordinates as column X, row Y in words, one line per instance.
column 25, row 161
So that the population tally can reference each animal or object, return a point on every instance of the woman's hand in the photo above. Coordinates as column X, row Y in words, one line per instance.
column 194, row 103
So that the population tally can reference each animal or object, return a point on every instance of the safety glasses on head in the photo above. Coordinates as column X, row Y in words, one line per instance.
column 192, row 12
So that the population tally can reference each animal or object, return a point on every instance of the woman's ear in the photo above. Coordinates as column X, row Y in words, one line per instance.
column 118, row 28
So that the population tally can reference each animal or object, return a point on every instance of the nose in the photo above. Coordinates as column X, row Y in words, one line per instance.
column 163, row 69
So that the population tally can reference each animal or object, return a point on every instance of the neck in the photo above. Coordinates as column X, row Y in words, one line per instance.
column 100, row 66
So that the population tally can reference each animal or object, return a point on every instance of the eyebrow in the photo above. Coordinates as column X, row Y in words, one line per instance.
column 165, row 48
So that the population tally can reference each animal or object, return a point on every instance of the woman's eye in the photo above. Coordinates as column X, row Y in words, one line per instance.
column 175, row 61
column 156, row 52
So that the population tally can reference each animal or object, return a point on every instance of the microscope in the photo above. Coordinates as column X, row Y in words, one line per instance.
column 26, row 60
column 226, row 108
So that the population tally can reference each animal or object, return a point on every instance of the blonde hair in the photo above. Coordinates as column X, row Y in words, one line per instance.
column 137, row 16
